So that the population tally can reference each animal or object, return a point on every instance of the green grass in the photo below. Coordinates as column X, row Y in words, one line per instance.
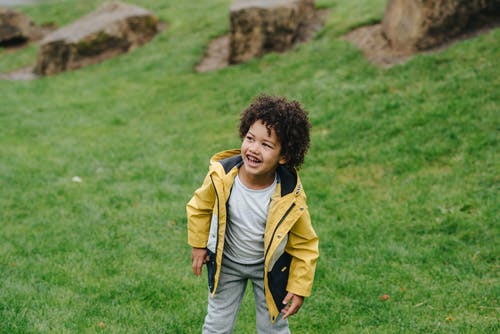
column 402, row 179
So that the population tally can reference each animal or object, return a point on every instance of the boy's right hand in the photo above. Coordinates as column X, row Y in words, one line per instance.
column 199, row 257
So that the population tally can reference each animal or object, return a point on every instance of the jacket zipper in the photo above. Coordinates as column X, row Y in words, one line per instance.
column 276, row 228
column 218, row 214
column 212, row 264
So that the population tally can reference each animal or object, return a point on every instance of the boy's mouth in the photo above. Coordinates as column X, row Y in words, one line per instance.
column 253, row 161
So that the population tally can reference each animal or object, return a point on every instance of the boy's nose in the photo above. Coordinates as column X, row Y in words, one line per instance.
column 253, row 147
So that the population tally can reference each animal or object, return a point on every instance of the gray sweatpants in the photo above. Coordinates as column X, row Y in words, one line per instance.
column 223, row 308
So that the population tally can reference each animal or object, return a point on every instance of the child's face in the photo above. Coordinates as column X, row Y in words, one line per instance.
column 261, row 152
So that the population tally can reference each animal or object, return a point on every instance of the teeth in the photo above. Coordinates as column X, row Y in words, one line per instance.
column 253, row 160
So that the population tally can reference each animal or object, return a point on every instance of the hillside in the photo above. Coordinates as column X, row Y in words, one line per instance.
column 402, row 179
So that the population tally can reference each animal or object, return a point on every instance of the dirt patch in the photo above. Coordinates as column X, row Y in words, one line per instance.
column 377, row 49
column 22, row 74
column 217, row 53
column 216, row 56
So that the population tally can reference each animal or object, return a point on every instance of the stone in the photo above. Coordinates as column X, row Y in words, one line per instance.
column 113, row 29
column 413, row 25
column 15, row 27
column 261, row 26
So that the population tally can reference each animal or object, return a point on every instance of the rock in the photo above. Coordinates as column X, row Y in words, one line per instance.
column 261, row 26
column 15, row 27
column 113, row 29
column 411, row 25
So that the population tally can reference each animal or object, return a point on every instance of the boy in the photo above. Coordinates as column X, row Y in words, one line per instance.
column 249, row 220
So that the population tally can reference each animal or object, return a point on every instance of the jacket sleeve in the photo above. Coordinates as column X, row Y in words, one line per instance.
column 199, row 212
column 303, row 247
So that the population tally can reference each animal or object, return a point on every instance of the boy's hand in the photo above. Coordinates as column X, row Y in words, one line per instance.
column 293, row 303
column 198, row 257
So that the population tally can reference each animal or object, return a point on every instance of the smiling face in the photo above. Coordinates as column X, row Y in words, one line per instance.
column 261, row 152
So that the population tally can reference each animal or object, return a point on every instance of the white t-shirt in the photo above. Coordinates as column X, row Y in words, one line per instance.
column 246, row 224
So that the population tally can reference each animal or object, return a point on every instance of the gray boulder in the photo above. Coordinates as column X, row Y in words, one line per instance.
column 15, row 27
column 261, row 26
column 113, row 29
column 412, row 25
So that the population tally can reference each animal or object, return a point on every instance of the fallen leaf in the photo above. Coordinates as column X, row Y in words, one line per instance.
column 384, row 297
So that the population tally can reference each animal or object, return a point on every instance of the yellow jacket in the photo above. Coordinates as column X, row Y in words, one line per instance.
column 290, row 243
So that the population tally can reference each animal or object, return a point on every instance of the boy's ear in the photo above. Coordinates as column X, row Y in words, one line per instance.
column 282, row 160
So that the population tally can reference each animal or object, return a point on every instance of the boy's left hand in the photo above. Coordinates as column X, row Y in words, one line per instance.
column 293, row 303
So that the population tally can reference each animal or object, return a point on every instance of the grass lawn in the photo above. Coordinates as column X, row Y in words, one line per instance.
column 402, row 179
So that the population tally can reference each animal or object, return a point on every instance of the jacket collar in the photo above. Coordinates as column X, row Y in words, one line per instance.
column 231, row 159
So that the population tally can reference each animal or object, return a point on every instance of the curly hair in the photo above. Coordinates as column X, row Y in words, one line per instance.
column 288, row 119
